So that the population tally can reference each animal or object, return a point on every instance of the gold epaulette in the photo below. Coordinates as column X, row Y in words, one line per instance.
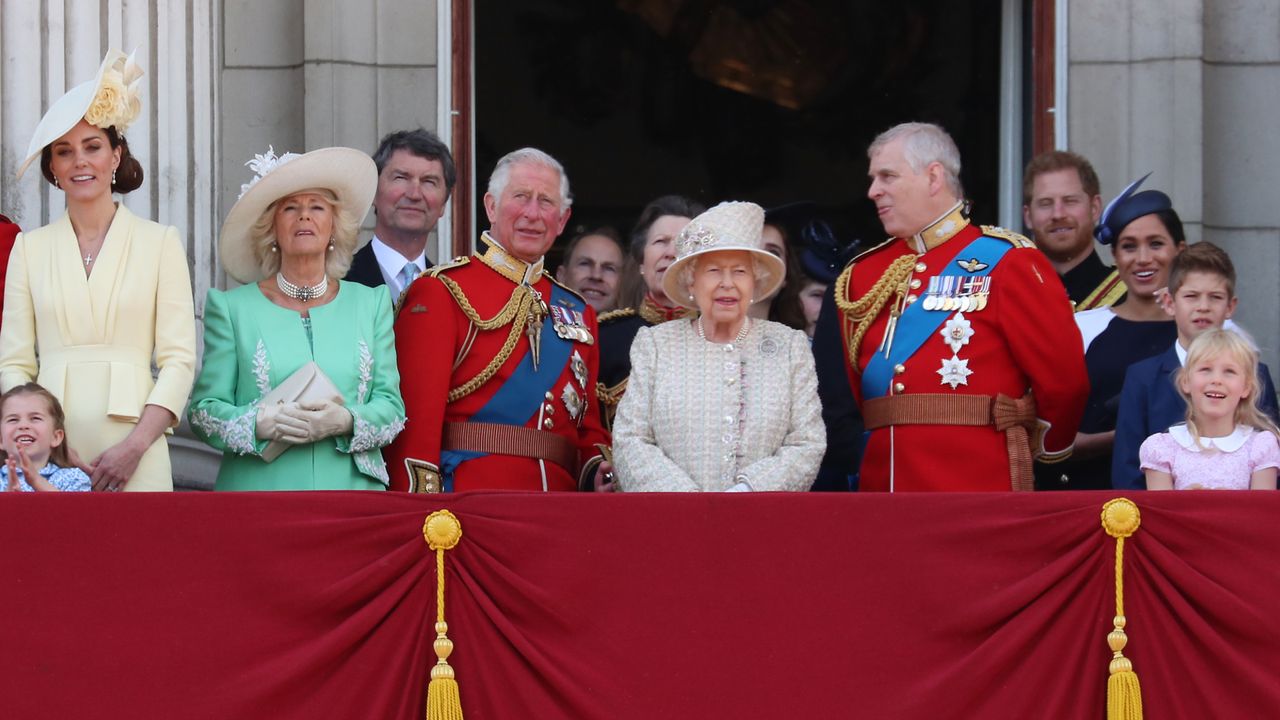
column 575, row 293
column 609, row 398
column 866, row 252
column 429, row 272
column 616, row 314
column 457, row 262
column 1016, row 240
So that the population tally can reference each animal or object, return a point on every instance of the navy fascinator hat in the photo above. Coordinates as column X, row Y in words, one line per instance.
column 822, row 253
column 1128, row 206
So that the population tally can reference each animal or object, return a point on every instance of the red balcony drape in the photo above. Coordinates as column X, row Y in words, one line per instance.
column 321, row 605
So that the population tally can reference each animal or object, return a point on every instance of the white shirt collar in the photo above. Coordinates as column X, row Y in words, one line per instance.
column 1230, row 443
column 391, row 263
column 1181, row 351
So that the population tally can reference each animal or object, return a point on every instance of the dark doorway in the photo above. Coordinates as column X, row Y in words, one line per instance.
column 772, row 101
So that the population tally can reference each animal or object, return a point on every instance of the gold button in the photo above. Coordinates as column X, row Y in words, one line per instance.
column 899, row 369
column 915, row 284
column 1064, row 479
column 551, row 409
column 911, row 299
column 547, row 423
column 549, row 396
column 899, row 387
column 920, row 267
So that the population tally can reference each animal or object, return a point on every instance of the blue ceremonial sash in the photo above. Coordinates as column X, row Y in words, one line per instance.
column 522, row 394
column 916, row 324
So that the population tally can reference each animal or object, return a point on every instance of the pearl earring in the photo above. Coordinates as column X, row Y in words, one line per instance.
column 113, row 177
column 55, row 182
column 275, row 247
column 331, row 243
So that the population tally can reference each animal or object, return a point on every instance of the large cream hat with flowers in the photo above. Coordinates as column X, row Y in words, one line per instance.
column 727, row 226
column 112, row 97
column 347, row 173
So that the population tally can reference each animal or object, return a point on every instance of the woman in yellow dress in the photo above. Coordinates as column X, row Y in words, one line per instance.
column 97, row 297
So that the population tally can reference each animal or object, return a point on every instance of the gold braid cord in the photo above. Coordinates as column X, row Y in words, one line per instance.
column 1120, row 519
column 516, row 313
column 860, row 313
column 442, row 531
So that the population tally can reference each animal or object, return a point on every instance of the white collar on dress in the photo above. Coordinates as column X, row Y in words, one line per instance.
column 1229, row 443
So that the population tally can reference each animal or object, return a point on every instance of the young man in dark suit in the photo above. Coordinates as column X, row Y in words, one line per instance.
column 415, row 180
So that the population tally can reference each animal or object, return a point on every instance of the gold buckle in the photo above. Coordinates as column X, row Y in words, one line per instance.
column 423, row 476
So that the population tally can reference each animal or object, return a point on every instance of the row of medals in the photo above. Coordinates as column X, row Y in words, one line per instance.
column 945, row 293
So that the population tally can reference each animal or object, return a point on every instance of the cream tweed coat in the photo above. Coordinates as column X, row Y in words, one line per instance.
column 701, row 416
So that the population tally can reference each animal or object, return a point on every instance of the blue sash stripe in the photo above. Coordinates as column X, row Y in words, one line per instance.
column 916, row 324
column 519, row 398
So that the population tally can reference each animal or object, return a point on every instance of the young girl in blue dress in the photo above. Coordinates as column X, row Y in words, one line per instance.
column 33, row 443
column 1227, row 443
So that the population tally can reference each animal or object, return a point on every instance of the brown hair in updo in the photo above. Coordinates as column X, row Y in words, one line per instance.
column 128, row 174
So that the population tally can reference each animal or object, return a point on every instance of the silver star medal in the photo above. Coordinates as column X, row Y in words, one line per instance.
column 957, row 332
column 572, row 401
column 579, row 367
column 955, row 371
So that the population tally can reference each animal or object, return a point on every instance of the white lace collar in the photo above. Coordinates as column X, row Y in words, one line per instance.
column 1229, row 443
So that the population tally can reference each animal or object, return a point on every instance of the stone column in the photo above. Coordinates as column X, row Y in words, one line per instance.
column 52, row 45
column 1135, row 85
column 1241, row 101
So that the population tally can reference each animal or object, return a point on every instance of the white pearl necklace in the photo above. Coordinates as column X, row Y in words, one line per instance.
column 742, row 333
column 305, row 293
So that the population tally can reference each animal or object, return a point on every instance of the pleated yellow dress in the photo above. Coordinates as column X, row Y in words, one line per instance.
column 92, row 341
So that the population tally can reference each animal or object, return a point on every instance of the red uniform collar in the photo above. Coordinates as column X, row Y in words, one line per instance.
column 940, row 230
column 657, row 313
column 505, row 264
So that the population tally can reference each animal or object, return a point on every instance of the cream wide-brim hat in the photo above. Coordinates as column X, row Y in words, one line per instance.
column 347, row 173
column 727, row 226
column 70, row 109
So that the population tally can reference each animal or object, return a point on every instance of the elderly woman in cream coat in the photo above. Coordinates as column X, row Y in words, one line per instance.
column 720, row 402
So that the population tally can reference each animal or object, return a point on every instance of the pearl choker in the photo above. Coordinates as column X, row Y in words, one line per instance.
column 742, row 333
column 305, row 293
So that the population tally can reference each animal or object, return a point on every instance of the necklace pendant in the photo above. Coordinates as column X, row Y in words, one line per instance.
column 305, row 293
column 88, row 258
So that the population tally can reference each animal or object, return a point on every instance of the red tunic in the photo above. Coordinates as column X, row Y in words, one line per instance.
column 1024, row 339
column 8, row 235
column 432, row 332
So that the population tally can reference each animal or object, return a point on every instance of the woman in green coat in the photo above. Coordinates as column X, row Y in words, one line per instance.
column 289, row 238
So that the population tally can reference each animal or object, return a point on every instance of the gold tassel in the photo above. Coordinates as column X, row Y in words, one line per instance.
column 442, row 532
column 1120, row 519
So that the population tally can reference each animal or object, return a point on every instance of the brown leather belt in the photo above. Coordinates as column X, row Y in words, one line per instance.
column 499, row 439
column 1016, row 418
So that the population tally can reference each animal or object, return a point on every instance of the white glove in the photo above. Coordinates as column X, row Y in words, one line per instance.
column 273, row 424
column 318, row 420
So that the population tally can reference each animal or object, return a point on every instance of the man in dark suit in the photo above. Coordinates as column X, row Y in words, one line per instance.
column 415, row 180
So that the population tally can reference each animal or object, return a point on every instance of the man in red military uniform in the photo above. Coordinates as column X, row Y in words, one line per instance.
column 498, row 361
column 960, row 344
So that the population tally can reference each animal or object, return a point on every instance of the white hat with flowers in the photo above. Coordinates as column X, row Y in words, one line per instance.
column 347, row 173
column 727, row 226
column 112, row 98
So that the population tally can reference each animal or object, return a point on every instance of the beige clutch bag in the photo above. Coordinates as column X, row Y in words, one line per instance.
column 307, row 384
